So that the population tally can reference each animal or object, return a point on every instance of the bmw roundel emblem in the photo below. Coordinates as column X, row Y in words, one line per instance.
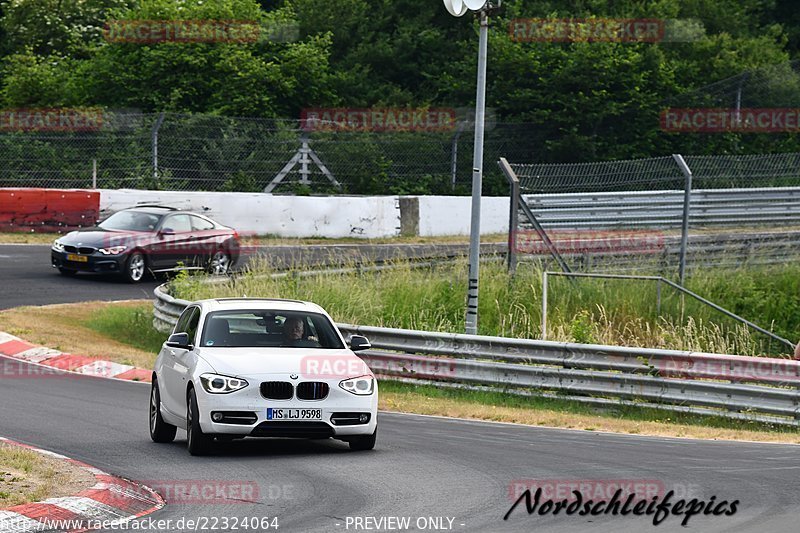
column 293, row 376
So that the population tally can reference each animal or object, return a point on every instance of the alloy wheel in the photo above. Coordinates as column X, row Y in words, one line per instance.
column 220, row 263
column 136, row 267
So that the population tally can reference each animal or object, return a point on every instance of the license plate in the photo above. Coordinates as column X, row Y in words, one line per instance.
column 77, row 258
column 294, row 414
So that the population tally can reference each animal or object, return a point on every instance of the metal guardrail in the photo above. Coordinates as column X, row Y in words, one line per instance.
column 664, row 209
column 166, row 310
column 754, row 388
column 734, row 250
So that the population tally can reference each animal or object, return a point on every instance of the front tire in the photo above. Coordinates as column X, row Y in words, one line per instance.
column 160, row 431
column 364, row 443
column 198, row 443
column 135, row 267
column 67, row 272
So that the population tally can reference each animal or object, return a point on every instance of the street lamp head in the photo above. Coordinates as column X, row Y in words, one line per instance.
column 475, row 5
column 456, row 7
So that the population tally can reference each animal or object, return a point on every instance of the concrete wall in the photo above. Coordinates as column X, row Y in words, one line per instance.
column 286, row 216
column 451, row 215
column 335, row 216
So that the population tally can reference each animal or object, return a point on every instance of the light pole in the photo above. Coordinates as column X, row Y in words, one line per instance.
column 458, row 8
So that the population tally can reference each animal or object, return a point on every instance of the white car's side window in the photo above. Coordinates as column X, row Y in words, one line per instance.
column 183, row 321
column 191, row 328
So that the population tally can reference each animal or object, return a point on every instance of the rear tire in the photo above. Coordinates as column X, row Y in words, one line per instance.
column 197, row 442
column 160, row 431
column 135, row 267
column 220, row 263
column 364, row 443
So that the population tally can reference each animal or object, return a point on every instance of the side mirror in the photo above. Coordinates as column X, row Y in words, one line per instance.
column 166, row 231
column 359, row 342
column 179, row 340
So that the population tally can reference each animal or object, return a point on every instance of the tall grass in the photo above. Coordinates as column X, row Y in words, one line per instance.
column 616, row 312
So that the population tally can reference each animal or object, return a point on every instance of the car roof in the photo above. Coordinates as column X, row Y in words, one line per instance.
column 162, row 210
column 266, row 304
column 154, row 209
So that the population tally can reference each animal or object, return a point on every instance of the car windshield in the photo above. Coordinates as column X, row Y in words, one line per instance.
column 278, row 329
column 131, row 221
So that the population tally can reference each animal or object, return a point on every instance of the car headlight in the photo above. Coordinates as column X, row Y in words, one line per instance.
column 216, row 384
column 361, row 386
column 58, row 246
column 113, row 250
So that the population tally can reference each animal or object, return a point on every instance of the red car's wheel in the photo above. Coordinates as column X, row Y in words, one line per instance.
column 220, row 263
column 135, row 267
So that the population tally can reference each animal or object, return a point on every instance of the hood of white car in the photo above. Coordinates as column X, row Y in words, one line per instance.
column 261, row 363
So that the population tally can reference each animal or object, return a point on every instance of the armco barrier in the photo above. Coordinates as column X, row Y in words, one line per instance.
column 753, row 388
column 47, row 209
column 663, row 209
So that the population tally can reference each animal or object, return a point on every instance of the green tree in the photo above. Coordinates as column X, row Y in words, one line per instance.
column 60, row 27
column 39, row 81
column 261, row 78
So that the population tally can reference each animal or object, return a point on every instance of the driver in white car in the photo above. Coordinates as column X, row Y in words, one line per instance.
column 294, row 332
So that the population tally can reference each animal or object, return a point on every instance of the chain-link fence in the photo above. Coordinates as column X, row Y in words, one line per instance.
column 771, row 85
column 667, row 214
column 709, row 172
column 214, row 153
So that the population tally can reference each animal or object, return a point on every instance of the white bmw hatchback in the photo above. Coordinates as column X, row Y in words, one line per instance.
column 246, row 367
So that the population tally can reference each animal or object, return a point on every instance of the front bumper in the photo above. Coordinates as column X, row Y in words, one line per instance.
column 93, row 263
column 250, row 402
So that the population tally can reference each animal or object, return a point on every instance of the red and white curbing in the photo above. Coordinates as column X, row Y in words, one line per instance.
column 112, row 500
column 17, row 348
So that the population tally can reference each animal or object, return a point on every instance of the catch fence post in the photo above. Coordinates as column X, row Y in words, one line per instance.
column 687, row 197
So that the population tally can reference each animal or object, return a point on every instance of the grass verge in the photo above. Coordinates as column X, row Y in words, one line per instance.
column 99, row 329
column 89, row 329
column 28, row 238
column 28, row 476
column 130, row 325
